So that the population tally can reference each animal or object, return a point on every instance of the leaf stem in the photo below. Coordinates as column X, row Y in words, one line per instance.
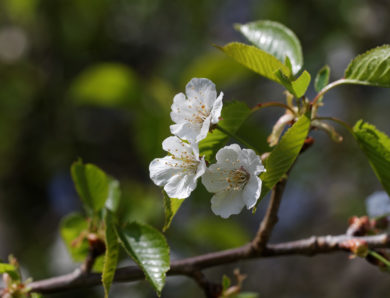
column 237, row 138
column 272, row 104
column 327, row 88
column 379, row 257
column 338, row 121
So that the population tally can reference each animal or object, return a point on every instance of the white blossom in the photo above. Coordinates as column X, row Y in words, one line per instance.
column 179, row 170
column 233, row 180
column 378, row 204
column 194, row 113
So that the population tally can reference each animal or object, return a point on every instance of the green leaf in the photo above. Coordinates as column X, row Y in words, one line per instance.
column 105, row 84
column 114, row 195
column 276, row 39
column 370, row 68
column 284, row 154
column 4, row 267
column 74, row 229
column 297, row 87
column 11, row 270
column 149, row 249
column 376, row 145
column 171, row 206
column 322, row 78
column 112, row 252
column 233, row 115
column 225, row 282
column 217, row 67
column 256, row 59
column 92, row 185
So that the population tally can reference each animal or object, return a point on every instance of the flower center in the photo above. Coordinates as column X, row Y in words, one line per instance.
column 200, row 114
column 185, row 161
column 237, row 179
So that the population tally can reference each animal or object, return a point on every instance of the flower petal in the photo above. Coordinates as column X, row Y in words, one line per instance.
column 227, row 203
column 251, row 161
column 179, row 108
column 201, row 170
column 214, row 179
column 161, row 171
column 180, row 186
column 228, row 155
column 216, row 109
column 204, row 130
column 202, row 91
column 251, row 191
column 186, row 131
column 176, row 146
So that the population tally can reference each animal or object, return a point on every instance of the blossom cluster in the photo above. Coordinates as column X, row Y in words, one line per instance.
column 233, row 178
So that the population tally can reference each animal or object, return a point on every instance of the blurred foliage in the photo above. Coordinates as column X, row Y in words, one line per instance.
column 95, row 79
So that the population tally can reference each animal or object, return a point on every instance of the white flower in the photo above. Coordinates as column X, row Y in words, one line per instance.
column 234, row 180
column 178, row 171
column 195, row 113
column 378, row 204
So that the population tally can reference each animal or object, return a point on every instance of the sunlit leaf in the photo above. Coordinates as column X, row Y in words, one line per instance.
column 92, row 185
column 233, row 115
column 11, row 270
column 111, row 254
column 171, row 206
column 276, row 39
column 322, row 78
column 217, row 67
column 284, row 154
column 296, row 87
column 376, row 145
column 149, row 249
column 256, row 59
column 370, row 68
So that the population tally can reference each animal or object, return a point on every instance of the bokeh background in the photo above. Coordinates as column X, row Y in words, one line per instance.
column 95, row 79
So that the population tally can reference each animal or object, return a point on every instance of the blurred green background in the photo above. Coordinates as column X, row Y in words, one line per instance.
column 95, row 79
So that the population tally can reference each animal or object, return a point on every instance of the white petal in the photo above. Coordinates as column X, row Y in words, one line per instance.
column 251, row 191
column 179, row 108
column 161, row 171
column 201, row 170
column 216, row 109
column 214, row 180
column 227, row 203
column 251, row 162
column 204, row 130
column 378, row 204
column 186, row 131
column 180, row 186
column 201, row 90
column 228, row 155
column 176, row 146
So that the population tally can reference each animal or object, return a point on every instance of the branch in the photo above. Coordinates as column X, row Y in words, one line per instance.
column 306, row 247
column 270, row 218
